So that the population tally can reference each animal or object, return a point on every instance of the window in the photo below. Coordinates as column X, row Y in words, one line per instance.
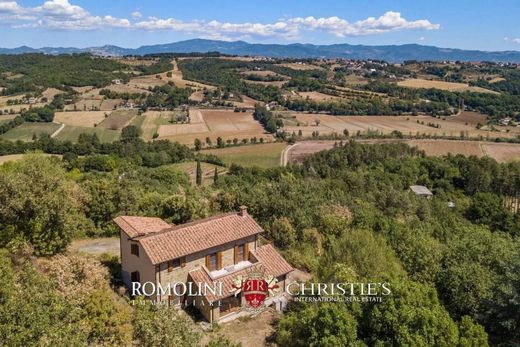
column 134, row 249
column 214, row 261
column 173, row 264
column 135, row 277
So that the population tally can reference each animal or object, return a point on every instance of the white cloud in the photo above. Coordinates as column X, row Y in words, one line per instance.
column 62, row 15
column 514, row 40
column 292, row 27
column 10, row 7
column 59, row 15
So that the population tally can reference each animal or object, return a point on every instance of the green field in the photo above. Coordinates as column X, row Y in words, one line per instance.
column 208, row 170
column 26, row 131
column 6, row 118
column 70, row 133
column 262, row 155
column 138, row 121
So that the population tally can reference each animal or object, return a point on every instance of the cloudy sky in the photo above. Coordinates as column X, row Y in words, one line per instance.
column 476, row 24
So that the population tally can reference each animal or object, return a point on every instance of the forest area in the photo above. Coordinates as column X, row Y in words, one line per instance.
column 344, row 215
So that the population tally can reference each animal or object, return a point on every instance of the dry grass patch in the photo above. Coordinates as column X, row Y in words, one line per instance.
column 88, row 119
column 301, row 66
column 317, row 96
column 408, row 125
column 85, row 105
column 450, row 86
column 214, row 123
column 50, row 93
column 501, row 152
column 110, row 104
column 246, row 102
column 197, row 96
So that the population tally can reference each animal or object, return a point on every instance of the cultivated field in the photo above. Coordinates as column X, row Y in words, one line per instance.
column 71, row 133
column 317, row 96
column 85, row 104
column 118, row 119
column 450, row 86
column 408, row 125
column 301, row 66
column 246, row 102
column 81, row 118
column 6, row 118
column 208, row 171
column 501, row 152
column 26, row 131
column 263, row 155
column 214, row 123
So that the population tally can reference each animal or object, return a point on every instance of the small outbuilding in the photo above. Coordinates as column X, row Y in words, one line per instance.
column 422, row 191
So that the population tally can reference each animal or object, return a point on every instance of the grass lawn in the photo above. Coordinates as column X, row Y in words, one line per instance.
column 26, row 131
column 137, row 121
column 70, row 133
column 15, row 157
column 262, row 155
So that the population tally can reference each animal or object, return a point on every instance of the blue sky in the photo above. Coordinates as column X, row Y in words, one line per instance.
column 484, row 24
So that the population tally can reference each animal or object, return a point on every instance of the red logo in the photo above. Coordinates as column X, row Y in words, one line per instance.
column 255, row 287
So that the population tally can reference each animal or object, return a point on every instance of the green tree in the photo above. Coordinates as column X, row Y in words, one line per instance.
column 410, row 316
column 198, row 145
column 198, row 178
column 161, row 326
column 282, row 232
column 215, row 176
column 33, row 312
column 326, row 324
column 488, row 209
column 130, row 132
column 39, row 204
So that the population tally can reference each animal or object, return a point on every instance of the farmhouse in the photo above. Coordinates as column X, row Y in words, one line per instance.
column 214, row 250
column 422, row 191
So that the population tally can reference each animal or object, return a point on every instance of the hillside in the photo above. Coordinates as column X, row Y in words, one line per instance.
column 391, row 53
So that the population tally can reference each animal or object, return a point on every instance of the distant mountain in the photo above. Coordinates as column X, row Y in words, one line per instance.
column 391, row 53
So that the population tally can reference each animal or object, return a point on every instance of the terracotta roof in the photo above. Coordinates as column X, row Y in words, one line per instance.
column 268, row 260
column 200, row 275
column 197, row 236
column 273, row 262
column 135, row 226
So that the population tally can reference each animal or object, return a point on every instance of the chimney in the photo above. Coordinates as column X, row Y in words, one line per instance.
column 242, row 210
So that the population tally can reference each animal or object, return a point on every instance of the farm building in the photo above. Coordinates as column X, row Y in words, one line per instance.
column 422, row 191
column 219, row 249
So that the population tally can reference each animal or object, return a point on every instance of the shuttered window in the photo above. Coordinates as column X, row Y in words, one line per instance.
column 173, row 264
column 134, row 249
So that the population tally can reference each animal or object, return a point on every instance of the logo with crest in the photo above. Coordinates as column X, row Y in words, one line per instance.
column 255, row 287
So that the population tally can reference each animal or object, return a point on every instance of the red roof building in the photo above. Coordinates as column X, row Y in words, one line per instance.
column 211, row 252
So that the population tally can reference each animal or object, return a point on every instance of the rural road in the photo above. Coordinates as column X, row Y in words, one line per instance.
column 284, row 157
column 59, row 129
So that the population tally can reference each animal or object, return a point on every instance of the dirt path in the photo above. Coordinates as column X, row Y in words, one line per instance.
column 284, row 157
column 54, row 134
